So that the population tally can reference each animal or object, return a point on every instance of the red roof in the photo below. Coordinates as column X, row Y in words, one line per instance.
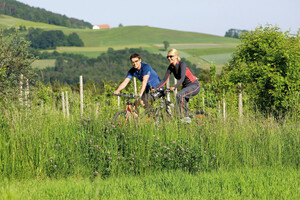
column 101, row 26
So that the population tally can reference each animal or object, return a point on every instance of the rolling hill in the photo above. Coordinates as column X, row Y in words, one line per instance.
column 199, row 48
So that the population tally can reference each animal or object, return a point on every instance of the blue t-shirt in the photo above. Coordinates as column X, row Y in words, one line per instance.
column 145, row 70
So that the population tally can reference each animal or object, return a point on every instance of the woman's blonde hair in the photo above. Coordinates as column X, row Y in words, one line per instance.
column 175, row 52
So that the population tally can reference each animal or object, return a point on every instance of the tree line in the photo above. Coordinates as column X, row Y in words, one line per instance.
column 41, row 39
column 26, row 12
column 111, row 66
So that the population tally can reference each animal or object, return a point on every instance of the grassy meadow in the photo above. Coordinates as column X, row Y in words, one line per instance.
column 44, row 154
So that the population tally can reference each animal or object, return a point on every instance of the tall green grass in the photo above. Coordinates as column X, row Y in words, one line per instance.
column 40, row 142
column 264, row 183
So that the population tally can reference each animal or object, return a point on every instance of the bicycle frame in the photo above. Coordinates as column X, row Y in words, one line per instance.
column 129, row 109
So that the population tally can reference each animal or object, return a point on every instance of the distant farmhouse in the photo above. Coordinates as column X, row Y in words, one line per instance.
column 101, row 26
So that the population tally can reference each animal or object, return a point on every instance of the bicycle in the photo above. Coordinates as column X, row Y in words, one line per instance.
column 130, row 110
column 162, row 111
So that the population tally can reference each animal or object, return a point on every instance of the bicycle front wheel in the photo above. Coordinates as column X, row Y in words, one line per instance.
column 120, row 117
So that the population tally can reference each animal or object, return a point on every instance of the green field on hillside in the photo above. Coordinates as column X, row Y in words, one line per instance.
column 8, row 22
column 201, row 49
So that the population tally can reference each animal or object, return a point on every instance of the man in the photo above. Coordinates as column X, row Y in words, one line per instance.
column 145, row 74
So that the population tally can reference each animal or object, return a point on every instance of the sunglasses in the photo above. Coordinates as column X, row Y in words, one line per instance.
column 135, row 61
column 171, row 56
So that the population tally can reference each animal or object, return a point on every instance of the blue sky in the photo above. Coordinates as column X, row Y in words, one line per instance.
column 203, row 16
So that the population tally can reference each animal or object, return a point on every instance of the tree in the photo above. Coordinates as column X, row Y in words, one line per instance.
column 234, row 33
column 14, row 61
column 74, row 40
column 267, row 63
column 166, row 45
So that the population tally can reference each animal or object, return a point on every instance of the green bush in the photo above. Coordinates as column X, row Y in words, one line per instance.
column 267, row 63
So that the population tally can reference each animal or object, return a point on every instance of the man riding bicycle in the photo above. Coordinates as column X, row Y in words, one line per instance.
column 145, row 74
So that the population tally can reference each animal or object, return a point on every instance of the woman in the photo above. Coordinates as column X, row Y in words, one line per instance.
column 190, row 83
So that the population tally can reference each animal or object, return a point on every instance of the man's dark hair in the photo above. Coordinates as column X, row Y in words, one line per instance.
column 135, row 55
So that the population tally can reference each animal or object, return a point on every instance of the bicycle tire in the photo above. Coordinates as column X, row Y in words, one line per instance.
column 120, row 117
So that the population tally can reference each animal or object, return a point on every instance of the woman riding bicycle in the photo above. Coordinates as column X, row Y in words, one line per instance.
column 190, row 84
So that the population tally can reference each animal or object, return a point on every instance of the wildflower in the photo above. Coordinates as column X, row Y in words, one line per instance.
column 69, row 150
column 55, row 166
column 51, row 158
column 118, row 157
column 96, row 172
column 109, row 158
column 123, row 133
column 211, row 162
column 174, row 142
column 187, row 160
column 214, row 156
column 113, row 126
column 108, row 152
column 131, row 162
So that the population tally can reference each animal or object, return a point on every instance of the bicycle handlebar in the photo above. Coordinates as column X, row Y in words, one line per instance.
column 130, row 96
column 160, row 92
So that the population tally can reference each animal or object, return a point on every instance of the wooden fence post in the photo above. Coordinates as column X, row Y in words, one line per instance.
column 27, row 93
column 63, row 103
column 175, row 82
column 67, row 105
column 134, row 85
column 81, row 95
column 168, row 86
column 240, row 100
column 21, row 90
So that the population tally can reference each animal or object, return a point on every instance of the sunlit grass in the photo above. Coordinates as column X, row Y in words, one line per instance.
column 265, row 183
column 43, row 63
